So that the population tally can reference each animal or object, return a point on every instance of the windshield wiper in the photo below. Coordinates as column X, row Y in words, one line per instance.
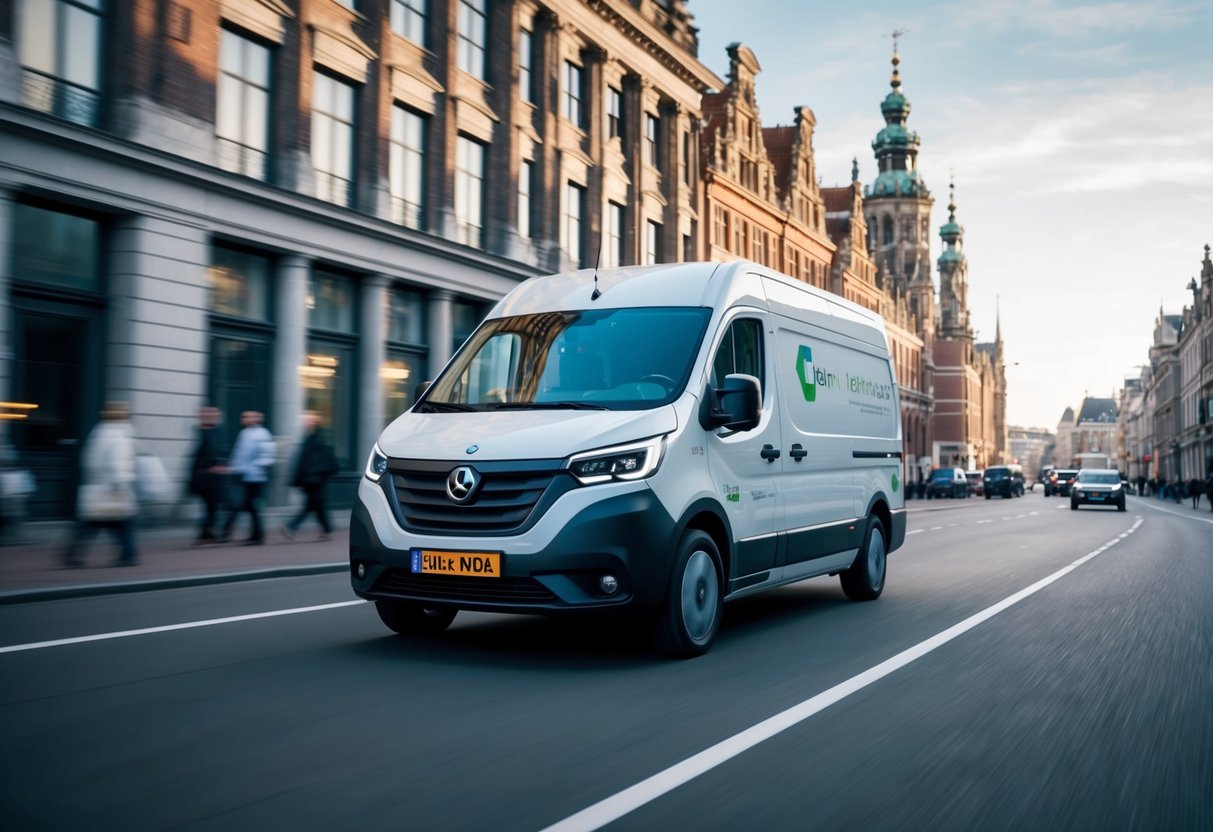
column 444, row 407
column 548, row 406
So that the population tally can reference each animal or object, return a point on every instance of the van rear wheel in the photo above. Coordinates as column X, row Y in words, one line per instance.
column 864, row 581
column 694, row 603
column 410, row 618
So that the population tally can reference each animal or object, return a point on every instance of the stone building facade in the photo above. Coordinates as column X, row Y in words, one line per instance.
column 289, row 205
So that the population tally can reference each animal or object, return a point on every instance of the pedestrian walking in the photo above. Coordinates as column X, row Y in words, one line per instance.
column 250, row 462
column 314, row 464
column 1194, row 490
column 1209, row 488
column 207, row 475
column 106, row 495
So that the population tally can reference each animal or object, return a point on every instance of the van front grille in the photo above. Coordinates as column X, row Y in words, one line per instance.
column 504, row 500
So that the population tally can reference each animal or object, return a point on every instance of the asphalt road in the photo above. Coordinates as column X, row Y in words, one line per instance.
column 1084, row 703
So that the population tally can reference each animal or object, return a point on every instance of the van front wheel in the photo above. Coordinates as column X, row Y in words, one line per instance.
column 690, row 617
column 864, row 581
column 409, row 618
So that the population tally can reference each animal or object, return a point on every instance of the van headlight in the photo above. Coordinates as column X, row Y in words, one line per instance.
column 376, row 465
column 622, row 462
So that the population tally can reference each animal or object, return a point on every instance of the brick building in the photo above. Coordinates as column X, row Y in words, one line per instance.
column 284, row 205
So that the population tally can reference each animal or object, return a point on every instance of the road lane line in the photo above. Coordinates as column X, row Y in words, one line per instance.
column 189, row 625
column 980, row 522
column 916, row 531
column 1179, row 514
column 622, row 803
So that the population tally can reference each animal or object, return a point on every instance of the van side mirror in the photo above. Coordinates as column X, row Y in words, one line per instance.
column 420, row 389
column 736, row 406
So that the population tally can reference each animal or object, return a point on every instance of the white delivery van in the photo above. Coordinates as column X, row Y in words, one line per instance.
column 651, row 441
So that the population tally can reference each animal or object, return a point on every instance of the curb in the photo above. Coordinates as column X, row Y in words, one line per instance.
column 22, row 596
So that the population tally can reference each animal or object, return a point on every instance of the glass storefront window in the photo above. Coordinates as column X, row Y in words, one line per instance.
column 56, row 248
column 330, row 302
column 405, row 317
column 399, row 374
column 240, row 284
column 326, row 376
column 465, row 317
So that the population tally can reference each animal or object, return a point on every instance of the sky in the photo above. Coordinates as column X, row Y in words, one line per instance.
column 1079, row 135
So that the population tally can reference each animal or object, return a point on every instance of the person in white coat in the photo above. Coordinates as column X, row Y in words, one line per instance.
column 106, row 497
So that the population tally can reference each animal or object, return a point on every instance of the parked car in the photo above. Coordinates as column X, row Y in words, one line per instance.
column 1060, row 481
column 1003, row 481
column 947, row 482
column 976, row 487
column 1097, row 487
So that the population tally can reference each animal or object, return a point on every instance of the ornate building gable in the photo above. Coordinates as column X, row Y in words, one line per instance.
column 853, row 274
column 733, row 134
column 791, row 151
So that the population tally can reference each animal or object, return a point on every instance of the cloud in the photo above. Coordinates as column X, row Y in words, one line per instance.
column 1054, row 19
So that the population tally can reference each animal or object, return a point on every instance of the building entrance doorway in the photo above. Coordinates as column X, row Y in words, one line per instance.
column 59, row 369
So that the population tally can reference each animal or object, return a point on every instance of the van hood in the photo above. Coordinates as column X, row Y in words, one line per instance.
column 519, row 434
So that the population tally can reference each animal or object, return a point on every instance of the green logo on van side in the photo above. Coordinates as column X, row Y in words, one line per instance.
column 896, row 482
column 804, row 370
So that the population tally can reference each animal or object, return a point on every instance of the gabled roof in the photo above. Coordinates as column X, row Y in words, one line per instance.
column 1097, row 410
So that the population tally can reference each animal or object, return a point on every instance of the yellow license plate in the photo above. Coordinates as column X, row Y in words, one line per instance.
column 473, row 564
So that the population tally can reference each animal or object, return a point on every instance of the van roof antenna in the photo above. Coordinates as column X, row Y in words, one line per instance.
column 595, row 295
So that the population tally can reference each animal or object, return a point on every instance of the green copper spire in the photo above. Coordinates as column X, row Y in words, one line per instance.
column 896, row 147
column 951, row 232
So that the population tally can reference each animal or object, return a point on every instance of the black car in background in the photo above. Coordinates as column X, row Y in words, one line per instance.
column 1003, row 481
column 1060, row 482
column 947, row 482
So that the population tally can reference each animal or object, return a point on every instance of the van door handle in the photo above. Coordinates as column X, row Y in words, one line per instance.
column 798, row 452
column 770, row 453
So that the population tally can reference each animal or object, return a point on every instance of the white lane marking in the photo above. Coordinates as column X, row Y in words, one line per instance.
column 936, row 528
column 616, row 806
column 1177, row 513
column 916, row 531
column 1061, row 505
column 189, row 625
column 1033, row 514
column 980, row 522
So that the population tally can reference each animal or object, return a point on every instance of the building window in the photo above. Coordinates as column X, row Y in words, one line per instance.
column 572, row 93
column 408, row 19
column 465, row 317
column 329, row 371
column 469, row 192
column 407, row 167
column 404, row 365
column 574, row 205
column 60, row 54
column 332, row 138
column 652, row 242
column 614, row 105
column 471, row 37
column 240, row 284
column 650, row 140
column 525, row 58
column 330, row 302
column 243, row 105
column 613, row 256
column 720, row 227
column 57, row 249
column 526, row 173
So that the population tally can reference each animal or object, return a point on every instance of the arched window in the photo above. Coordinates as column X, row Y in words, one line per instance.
column 888, row 230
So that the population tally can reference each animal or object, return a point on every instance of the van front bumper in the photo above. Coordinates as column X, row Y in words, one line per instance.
column 629, row 537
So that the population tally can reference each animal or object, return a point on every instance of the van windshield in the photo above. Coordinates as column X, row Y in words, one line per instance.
column 608, row 359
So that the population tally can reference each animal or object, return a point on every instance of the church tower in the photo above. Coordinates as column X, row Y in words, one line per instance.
column 953, row 278
column 898, row 208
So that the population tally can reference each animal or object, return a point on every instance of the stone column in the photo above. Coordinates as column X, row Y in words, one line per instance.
column 441, row 331
column 372, row 355
column 290, row 348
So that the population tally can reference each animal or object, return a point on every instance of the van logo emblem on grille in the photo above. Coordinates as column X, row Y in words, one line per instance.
column 472, row 449
column 461, row 484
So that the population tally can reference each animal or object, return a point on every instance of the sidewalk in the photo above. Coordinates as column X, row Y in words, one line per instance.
column 32, row 571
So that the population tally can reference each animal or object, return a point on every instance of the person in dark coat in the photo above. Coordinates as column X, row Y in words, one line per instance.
column 1195, row 487
column 207, row 474
column 314, row 464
